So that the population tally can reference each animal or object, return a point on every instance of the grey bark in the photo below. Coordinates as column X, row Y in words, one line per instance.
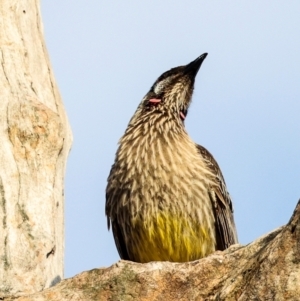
column 35, row 140
column 266, row 269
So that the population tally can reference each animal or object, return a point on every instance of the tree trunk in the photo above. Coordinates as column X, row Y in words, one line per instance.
column 35, row 139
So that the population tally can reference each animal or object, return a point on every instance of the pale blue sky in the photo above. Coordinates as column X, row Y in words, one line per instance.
column 245, row 110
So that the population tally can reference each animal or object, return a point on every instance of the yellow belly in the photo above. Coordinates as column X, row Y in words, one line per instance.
column 170, row 238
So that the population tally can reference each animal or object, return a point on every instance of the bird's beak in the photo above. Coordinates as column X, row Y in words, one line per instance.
column 192, row 68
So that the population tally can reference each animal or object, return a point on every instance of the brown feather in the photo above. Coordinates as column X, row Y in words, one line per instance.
column 226, row 234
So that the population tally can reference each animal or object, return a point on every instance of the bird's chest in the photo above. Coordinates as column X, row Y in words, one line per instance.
column 164, row 175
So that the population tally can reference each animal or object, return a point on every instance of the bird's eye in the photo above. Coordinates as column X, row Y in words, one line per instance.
column 159, row 87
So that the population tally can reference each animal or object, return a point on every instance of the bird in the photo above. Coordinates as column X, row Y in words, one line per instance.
column 166, row 197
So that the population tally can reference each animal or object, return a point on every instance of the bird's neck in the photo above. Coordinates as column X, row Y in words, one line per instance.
column 147, row 137
column 157, row 123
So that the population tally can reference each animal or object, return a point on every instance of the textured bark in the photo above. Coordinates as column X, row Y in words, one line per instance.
column 35, row 139
column 267, row 269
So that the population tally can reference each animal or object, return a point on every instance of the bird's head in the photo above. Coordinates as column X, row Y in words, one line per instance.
column 173, row 90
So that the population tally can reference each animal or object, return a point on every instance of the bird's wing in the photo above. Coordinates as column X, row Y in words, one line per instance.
column 226, row 234
column 112, row 220
column 119, row 240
